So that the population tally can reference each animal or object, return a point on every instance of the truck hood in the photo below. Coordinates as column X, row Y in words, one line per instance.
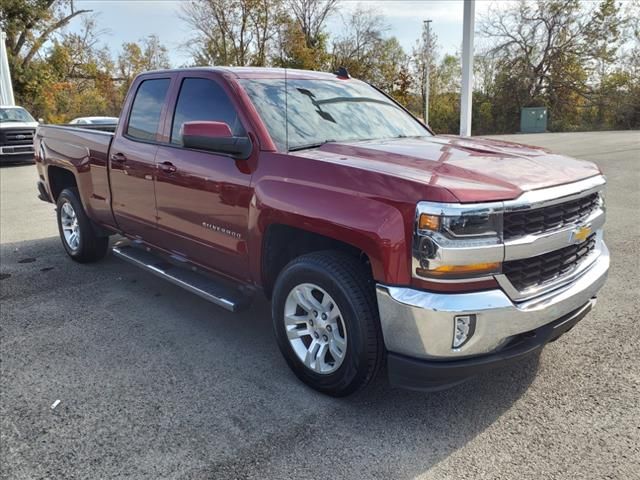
column 5, row 125
column 471, row 169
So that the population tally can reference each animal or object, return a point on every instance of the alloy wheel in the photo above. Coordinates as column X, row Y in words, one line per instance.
column 315, row 328
column 70, row 227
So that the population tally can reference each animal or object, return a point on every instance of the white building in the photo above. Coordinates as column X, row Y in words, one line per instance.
column 6, row 89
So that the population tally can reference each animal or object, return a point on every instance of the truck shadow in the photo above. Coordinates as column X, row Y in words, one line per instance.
column 381, row 432
column 207, row 391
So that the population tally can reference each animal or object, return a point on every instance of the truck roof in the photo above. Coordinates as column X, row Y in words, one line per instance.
column 259, row 72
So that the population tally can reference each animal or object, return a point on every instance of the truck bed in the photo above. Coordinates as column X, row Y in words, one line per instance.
column 95, row 140
column 85, row 153
column 103, row 127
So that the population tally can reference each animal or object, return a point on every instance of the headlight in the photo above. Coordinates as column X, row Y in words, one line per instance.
column 461, row 226
column 454, row 241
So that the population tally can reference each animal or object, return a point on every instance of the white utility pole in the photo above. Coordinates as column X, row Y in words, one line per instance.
column 467, row 67
column 426, row 39
column 6, row 89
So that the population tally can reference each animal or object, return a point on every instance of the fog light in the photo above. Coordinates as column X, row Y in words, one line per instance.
column 464, row 327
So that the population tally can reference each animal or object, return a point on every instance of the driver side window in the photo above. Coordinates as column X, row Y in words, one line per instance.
column 203, row 99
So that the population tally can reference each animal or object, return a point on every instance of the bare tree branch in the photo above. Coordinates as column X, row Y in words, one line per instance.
column 44, row 36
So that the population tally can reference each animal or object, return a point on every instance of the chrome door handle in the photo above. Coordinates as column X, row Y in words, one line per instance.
column 118, row 157
column 168, row 167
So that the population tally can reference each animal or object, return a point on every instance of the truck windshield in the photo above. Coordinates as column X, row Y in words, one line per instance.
column 321, row 111
column 15, row 114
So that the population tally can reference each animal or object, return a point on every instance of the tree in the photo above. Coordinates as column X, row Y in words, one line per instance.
column 147, row 54
column 403, row 85
column 29, row 24
column 77, row 55
column 444, row 100
column 81, row 80
column 423, row 57
column 362, row 39
column 231, row 32
column 581, row 59
column 548, row 50
column 311, row 16
column 293, row 50
column 135, row 58
column 390, row 60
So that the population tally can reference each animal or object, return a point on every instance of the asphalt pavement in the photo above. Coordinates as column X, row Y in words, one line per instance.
column 109, row 372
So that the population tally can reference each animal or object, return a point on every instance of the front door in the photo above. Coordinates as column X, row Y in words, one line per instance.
column 202, row 197
column 132, row 160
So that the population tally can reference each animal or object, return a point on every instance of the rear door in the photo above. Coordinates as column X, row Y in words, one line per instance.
column 203, row 197
column 132, row 157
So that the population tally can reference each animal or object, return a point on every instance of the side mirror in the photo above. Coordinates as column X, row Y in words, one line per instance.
column 41, row 120
column 215, row 137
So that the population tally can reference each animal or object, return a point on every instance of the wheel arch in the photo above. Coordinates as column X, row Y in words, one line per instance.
column 283, row 243
column 59, row 179
column 284, row 224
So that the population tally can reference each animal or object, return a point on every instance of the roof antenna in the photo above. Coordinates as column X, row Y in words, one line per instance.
column 343, row 72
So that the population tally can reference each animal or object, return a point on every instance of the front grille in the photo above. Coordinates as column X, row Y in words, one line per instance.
column 535, row 271
column 17, row 136
column 540, row 220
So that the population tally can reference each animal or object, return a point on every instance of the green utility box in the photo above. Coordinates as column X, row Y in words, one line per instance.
column 533, row 120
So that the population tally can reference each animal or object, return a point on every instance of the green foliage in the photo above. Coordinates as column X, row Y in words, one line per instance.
column 557, row 54
column 580, row 59
column 73, row 76
column 295, row 52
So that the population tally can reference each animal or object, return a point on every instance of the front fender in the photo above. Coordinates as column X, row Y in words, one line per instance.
column 374, row 227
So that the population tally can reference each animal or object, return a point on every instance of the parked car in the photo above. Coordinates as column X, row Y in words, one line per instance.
column 376, row 240
column 17, row 130
column 94, row 121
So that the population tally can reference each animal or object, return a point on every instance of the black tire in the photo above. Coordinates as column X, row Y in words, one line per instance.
column 91, row 247
column 351, row 286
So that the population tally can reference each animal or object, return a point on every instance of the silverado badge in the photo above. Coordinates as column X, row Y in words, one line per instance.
column 225, row 231
column 580, row 234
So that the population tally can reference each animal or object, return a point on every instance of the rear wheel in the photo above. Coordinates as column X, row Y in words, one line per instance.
column 76, row 231
column 326, row 322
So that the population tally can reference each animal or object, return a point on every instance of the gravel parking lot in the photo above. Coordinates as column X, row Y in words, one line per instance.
column 154, row 382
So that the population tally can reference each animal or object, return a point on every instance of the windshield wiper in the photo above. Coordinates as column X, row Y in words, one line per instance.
column 309, row 145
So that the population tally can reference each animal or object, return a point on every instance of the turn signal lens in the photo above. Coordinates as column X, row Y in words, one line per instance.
column 429, row 222
column 461, row 269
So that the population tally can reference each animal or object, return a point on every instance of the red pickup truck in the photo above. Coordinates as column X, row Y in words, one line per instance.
column 376, row 240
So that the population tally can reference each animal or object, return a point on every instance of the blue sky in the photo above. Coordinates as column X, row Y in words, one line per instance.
column 131, row 20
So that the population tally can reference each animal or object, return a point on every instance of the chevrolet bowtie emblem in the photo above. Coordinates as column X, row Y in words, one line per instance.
column 580, row 234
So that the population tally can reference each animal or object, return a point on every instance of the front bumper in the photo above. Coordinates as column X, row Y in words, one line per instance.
column 15, row 154
column 418, row 325
column 424, row 375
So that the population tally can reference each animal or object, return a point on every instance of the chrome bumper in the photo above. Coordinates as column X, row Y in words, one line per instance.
column 17, row 150
column 420, row 324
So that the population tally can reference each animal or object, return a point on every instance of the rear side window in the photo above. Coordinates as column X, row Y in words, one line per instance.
column 203, row 99
column 147, row 107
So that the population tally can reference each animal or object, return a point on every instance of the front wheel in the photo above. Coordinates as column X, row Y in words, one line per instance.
column 326, row 322
column 76, row 232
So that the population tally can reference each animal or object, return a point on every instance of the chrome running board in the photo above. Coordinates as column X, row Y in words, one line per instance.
column 200, row 283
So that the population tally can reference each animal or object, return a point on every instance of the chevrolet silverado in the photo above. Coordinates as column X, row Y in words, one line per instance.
column 377, row 241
